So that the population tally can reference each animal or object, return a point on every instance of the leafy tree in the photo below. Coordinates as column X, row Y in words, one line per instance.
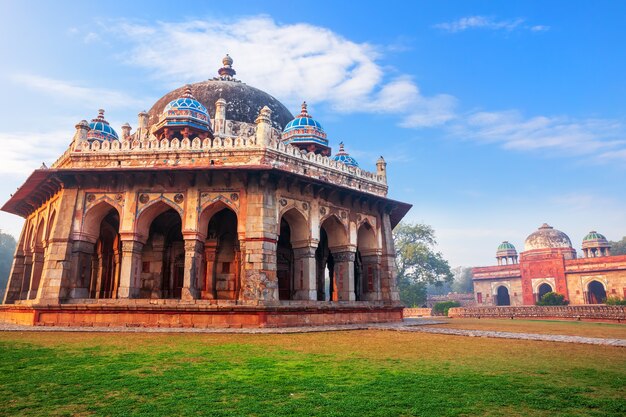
column 463, row 280
column 619, row 247
column 7, row 249
column 418, row 264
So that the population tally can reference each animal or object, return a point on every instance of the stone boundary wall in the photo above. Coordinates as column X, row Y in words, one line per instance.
column 586, row 312
column 192, row 316
column 417, row 312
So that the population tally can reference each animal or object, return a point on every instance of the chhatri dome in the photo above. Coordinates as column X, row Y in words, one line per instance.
column 506, row 253
column 547, row 237
column 306, row 133
column 596, row 244
column 100, row 130
column 243, row 102
column 187, row 113
column 343, row 156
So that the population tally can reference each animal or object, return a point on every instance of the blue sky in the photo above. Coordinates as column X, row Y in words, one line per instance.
column 494, row 117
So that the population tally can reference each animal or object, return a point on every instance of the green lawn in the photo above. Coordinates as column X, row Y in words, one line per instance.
column 379, row 373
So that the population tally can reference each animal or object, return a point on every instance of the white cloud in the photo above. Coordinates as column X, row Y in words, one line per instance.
column 294, row 62
column 81, row 95
column 562, row 135
column 23, row 151
column 489, row 23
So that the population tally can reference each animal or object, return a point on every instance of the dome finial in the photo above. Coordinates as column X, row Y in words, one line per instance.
column 187, row 93
column 227, row 72
column 341, row 147
column 303, row 111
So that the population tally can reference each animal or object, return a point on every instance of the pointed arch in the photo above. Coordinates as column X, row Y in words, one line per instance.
column 93, row 217
column 50, row 223
column 149, row 213
column 298, row 225
column 209, row 210
column 335, row 230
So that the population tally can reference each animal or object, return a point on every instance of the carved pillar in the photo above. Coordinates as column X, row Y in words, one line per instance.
column 389, row 285
column 371, row 277
column 193, row 265
column 83, row 282
column 208, row 286
column 130, row 271
column 305, row 279
column 344, row 274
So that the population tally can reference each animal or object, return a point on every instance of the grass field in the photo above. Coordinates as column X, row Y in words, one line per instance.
column 573, row 328
column 357, row 373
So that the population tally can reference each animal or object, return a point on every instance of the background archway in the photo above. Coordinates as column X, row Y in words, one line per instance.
column 543, row 289
column 596, row 292
column 222, row 277
column 502, row 296
column 365, row 262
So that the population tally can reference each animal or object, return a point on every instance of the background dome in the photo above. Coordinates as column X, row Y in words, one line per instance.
column 304, row 130
column 547, row 237
column 505, row 246
column 243, row 102
column 593, row 235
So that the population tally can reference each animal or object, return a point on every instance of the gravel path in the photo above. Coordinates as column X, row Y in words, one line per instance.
column 424, row 325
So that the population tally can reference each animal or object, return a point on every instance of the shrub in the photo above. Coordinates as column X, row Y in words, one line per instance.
column 552, row 299
column 615, row 301
column 441, row 308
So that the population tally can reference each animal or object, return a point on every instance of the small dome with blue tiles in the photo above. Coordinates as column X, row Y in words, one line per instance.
column 305, row 130
column 506, row 249
column 343, row 156
column 187, row 111
column 100, row 130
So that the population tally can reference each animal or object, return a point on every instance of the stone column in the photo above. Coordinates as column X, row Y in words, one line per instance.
column 208, row 287
column 193, row 266
column 305, row 279
column 344, row 274
column 130, row 270
column 25, row 282
column 82, row 282
column 389, row 285
column 371, row 276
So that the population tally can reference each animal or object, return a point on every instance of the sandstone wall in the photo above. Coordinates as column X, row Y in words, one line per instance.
column 586, row 312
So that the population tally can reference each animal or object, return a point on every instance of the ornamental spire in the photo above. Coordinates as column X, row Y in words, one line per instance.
column 303, row 111
column 227, row 72
column 187, row 93
column 100, row 117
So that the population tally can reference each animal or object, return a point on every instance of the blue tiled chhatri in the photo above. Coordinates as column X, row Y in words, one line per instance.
column 304, row 129
column 343, row 156
column 100, row 130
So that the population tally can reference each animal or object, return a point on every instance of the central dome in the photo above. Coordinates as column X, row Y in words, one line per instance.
column 547, row 237
column 243, row 103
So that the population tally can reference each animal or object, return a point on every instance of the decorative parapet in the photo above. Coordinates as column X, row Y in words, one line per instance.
column 274, row 154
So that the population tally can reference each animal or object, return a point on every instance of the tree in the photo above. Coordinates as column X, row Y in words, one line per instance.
column 619, row 247
column 463, row 280
column 7, row 249
column 418, row 263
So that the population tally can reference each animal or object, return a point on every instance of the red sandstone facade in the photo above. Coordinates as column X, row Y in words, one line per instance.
column 550, row 264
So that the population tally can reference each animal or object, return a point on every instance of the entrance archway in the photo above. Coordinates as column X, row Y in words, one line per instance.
column 326, row 289
column 284, row 262
column 106, row 258
column 163, row 257
column 223, row 257
column 366, row 263
column 502, row 298
column 543, row 290
column 596, row 293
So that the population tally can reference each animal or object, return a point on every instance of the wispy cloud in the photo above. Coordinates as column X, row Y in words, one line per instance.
column 23, row 151
column 81, row 95
column 294, row 62
column 562, row 135
column 488, row 23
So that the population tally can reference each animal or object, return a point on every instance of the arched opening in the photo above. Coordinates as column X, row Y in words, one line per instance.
column 543, row 290
column 222, row 257
column 596, row 293
column 28, row 263
column 38, row 259
column 325, row 266
column 332, row 237
column 284, row 262
column 163, row 257
column 502, row 297
column 292, row 274
column 366, row 264
column 106, row 258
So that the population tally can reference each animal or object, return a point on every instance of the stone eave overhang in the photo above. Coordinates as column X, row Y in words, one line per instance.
column 496, row 272
column 42, row 184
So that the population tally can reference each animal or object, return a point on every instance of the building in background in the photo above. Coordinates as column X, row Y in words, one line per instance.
column 549, row 264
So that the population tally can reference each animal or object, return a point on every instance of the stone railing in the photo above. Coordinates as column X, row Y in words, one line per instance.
column 134, row 146
column 584, row 312
column 416, row 312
